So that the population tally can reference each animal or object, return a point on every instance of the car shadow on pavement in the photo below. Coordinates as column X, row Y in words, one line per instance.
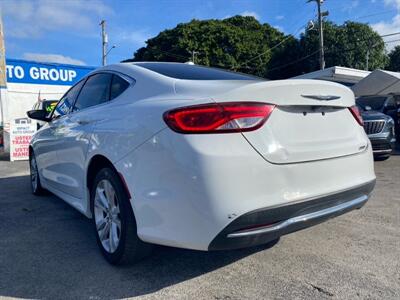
column 48, row 250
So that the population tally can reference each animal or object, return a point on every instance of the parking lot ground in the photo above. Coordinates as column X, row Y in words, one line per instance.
column 48, row 250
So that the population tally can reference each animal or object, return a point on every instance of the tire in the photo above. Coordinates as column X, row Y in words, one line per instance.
column 381, row 158
column 36, row 186
column 114, row 221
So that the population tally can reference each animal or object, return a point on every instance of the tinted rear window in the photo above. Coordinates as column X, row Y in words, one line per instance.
column 194, row 72
column 376, row 103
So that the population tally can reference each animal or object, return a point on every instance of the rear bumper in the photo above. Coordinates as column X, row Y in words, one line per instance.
column 187, row 188
column 264, row 225
column 382, row 146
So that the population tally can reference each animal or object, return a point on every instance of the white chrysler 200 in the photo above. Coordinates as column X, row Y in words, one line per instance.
column 200, row 158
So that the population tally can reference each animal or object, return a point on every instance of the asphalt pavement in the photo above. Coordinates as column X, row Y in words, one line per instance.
column 48, row 251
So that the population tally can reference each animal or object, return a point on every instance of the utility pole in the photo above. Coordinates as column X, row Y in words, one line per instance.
column 104, row 39
column 370, row 48
column 321, row 14
column 194, row 56
column 321, row 37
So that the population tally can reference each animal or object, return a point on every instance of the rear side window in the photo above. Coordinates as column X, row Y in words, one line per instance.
column 118, row 86
column 194, row 72
column 95, row 91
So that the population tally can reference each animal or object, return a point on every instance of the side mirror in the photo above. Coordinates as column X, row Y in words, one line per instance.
column 40, row 115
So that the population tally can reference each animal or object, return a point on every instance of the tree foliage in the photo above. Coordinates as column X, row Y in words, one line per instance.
column 243, row 44
column 394, row 59
column 231, row 43
column 345, row 45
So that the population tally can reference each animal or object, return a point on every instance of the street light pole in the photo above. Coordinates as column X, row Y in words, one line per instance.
column 104, row 39
column 110, row 49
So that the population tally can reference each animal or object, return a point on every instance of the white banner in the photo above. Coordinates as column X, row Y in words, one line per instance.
column 21, row 131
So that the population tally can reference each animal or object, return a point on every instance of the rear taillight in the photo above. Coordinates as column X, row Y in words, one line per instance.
column 218, row 117
column 356, row 114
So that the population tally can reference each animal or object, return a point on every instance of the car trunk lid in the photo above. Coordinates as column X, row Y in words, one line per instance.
column 311, row 120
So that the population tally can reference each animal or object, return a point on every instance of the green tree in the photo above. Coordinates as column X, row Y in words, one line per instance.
column 345, row 45
column 243, row 44
column 237, row 43
column 286, row 60
column 394, row 59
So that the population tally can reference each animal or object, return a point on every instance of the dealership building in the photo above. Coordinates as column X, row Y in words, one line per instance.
column 28, row 82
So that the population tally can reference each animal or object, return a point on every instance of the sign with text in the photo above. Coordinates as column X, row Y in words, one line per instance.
column 21, row 71
column 21, row 131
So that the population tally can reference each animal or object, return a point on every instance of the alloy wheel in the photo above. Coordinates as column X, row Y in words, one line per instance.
column 34, row 174
column 107, row 216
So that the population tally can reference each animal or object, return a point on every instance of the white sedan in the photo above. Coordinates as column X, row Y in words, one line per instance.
column 200, row 158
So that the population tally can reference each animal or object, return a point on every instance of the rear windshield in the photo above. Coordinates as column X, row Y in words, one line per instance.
column 376, row 103
column 194, row 72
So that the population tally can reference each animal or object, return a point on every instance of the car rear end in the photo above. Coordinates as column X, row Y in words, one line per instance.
column 250, row 163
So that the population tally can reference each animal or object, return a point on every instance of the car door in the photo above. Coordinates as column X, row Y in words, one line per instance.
column 47, row 140
column 75, row 132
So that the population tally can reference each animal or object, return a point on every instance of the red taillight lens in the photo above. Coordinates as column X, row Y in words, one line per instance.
column 356, row 114
column 218, row 117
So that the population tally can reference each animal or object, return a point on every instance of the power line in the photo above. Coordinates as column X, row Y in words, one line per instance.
column 293, row 62
column 390, row 34
column 376, row 14
column 387, row 42
column 272, row 48
column 330, row 51
column 275, row 46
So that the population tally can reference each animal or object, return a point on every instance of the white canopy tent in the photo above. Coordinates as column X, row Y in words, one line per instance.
column 379, row 82
column 346, row 76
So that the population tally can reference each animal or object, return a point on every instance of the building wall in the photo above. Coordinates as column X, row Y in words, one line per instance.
column 22, row 97
column 27, row 81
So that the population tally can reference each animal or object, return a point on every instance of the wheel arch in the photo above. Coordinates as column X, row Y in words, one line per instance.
column 96, row 163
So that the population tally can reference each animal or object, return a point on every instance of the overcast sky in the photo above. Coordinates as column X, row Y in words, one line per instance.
column 69, row 32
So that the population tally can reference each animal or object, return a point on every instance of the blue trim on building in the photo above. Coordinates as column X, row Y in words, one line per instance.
column 50, row 63
column 33, row 72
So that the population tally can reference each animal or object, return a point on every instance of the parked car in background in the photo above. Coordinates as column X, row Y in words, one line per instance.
column 200, row 158
column 388, row 105
column 380, row 129
column 46, row 105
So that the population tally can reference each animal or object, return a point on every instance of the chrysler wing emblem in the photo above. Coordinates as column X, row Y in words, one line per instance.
column 322, row 97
